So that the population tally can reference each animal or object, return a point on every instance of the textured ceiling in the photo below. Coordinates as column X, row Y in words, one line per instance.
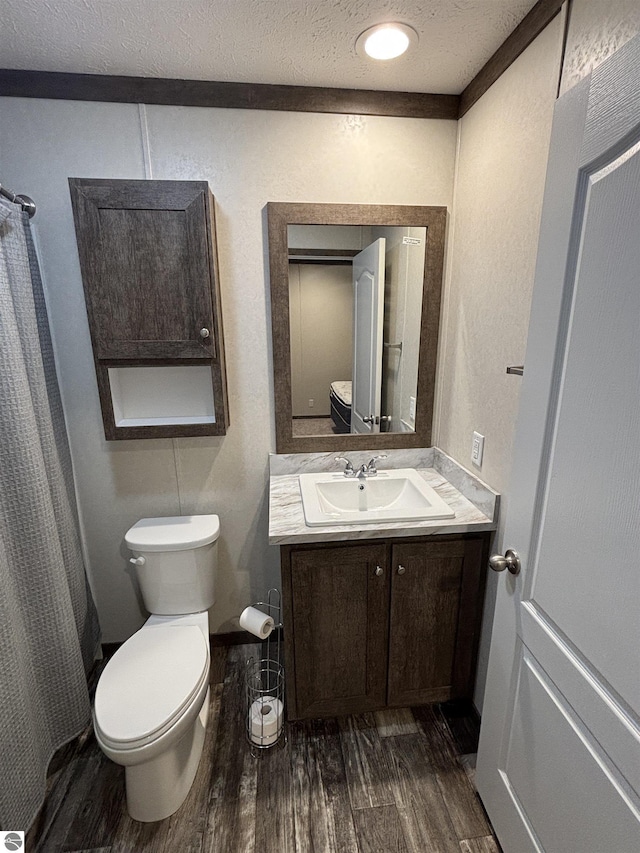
column 298, row 42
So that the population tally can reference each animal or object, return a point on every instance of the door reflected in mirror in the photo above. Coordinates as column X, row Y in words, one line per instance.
column 355, row 312
column 355, row 304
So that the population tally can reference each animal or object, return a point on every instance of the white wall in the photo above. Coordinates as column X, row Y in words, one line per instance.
column 249, row 158
column 597, row 28
column 327, row 236
column 321, row 328
column 501, row 164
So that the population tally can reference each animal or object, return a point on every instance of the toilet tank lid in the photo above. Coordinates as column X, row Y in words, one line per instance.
column 174, row 533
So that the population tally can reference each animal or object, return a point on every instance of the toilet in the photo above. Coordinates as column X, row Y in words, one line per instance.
column 152, row 700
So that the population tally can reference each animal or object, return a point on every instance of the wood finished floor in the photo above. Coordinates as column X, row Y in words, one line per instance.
column 388, row 782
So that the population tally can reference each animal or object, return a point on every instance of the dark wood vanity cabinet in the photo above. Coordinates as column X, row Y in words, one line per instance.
column 435, row 604
column 148, row 258
column 381, row 623
column 339, row 628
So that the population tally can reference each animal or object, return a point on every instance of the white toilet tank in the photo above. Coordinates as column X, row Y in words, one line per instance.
column 176, row 562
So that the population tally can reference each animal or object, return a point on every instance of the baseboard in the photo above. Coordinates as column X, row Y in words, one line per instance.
column 226, row 638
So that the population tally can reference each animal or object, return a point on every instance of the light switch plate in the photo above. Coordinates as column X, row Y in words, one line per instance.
column 477, row 449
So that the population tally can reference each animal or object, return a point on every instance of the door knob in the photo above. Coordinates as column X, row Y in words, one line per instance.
column 204, row 334
column 401, row 570
column 368, row 419
column 510, row 561
column 379, row 571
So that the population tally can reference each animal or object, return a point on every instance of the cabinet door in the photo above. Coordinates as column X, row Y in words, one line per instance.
column 340, row 628
column 433, row 625
column 148, row 267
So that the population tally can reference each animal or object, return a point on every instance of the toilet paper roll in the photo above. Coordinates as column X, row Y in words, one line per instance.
column 265, row 719
column 256, row 622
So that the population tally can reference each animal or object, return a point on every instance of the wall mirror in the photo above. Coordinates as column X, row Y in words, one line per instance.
column 355, row 312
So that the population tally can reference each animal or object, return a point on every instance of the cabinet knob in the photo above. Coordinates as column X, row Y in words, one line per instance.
column 204, row 334
column 401, row 570
column 379, row 571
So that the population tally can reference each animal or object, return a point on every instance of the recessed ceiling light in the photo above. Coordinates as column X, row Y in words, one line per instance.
column 386, row 41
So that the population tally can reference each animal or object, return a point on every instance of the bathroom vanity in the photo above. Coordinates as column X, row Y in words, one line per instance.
column 384, row 614
column 381, row 606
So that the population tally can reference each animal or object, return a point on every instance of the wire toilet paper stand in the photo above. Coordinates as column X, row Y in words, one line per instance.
column 264, row 683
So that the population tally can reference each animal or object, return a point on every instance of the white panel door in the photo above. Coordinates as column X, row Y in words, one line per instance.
column 559, row 755
column 368, row 316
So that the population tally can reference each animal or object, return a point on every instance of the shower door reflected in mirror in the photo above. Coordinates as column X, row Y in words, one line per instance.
column 360, row 287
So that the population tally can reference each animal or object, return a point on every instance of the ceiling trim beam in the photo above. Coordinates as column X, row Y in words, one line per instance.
column 263, row 96
column 204, row 93
column 527, row 30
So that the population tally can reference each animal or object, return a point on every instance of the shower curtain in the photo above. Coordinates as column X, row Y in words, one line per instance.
column 48, row 625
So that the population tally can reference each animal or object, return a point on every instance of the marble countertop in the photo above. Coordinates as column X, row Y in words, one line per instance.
column 287, row 524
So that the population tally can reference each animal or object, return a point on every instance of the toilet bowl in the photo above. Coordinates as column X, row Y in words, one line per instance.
column 152, row 700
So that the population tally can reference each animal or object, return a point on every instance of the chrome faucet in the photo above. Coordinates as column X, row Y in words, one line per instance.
column 371, row 467
column 365, row 470
column 370, row 470
column 348, row 468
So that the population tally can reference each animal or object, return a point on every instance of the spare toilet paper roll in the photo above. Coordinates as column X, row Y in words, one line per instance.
column 265, row 720
column 256, row 622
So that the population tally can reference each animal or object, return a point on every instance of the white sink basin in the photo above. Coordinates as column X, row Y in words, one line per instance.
column 400, row 495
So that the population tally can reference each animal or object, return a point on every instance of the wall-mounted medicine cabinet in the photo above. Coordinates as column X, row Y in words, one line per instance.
column 149, row 268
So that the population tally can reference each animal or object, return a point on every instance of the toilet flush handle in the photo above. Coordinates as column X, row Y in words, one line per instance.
column 137, row 561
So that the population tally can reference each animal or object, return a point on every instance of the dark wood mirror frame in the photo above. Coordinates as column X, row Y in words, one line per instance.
column 280, row 216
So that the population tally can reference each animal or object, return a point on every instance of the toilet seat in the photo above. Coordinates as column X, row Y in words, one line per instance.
column 149, row 684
